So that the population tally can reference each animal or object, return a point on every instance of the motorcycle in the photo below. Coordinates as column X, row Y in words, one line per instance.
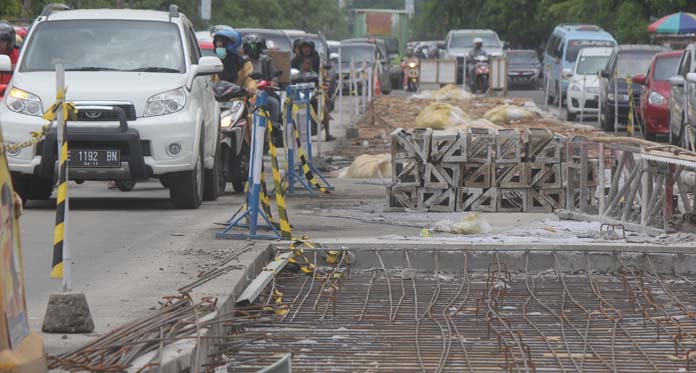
column 234, row 126
column 478, row 81
column 412, row 75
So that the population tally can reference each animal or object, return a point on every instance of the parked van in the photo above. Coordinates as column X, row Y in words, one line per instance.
column 562, row 51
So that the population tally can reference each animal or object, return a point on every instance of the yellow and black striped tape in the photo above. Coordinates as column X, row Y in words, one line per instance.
column 69, row 113
column 265, row 200
column 305, row 166
column 285, row 229
column 629, row 125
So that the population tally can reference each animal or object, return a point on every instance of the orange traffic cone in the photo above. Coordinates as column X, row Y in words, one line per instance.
column 378, row 90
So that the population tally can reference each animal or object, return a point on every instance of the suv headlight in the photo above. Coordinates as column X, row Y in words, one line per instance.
column 575, row 88
column 24, row 102
column 166, row 103
column 656, row 98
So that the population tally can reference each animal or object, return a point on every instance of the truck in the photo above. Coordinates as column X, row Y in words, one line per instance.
column 388, row 24
column 392, row 27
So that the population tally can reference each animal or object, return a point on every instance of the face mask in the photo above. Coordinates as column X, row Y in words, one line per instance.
column 221, row 52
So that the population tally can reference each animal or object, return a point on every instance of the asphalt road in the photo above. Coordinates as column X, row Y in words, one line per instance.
column 128, row 249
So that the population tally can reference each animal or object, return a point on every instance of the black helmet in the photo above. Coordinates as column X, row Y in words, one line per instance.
column 253, row 45
column 7, row 33
column 304, row 42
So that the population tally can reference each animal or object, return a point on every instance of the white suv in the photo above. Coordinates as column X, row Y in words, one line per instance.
column 146, row 106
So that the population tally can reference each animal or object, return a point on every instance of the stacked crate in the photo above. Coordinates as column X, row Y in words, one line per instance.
column 477, row 170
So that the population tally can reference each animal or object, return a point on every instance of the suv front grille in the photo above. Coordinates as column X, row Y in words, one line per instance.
column 92, row 115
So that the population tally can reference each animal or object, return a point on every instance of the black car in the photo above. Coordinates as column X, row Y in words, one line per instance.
column 625, row 62
column 524, row 68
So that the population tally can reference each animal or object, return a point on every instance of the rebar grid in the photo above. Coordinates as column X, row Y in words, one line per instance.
column 397, row 319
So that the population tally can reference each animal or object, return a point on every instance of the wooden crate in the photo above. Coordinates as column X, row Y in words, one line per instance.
column 512, row 200
column 442, row 175
column 545, row 175
column 479, row 145
column 476, row 175
column 407, row 171
column 448, row 146
column 399, row 196
column 572, row 170
column 477, row 199
column 411, row 143
column 509, row 147
column 545, row 200
column 510, row 175
column 435, row 199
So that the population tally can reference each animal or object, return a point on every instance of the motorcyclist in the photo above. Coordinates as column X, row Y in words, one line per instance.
column 237, row 68
column 475, row 52
column 307, row 59
column 8, row 47
column 404, row 66
column 306, row 50
column 254, row 48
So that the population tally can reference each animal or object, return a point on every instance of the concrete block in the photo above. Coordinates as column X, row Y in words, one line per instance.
column 67, row 313
column 441, row 200
column 448, row 146
column 476, row 175
column 509, row 147
column 407, row 172
column 442, row 175
column 510, row 175
column 402, row 196
column 512, row 200
column 545, row 175
column 411, row 143
column 479, row 145
column 477, row 199
column 544, row 146
column 545, row 200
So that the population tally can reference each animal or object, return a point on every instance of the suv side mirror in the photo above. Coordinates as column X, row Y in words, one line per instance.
column 639, row 79
column 506, row 45
column 209, row 65
column 5, row 64
column 691, row 77
column 677, row 81
column 604, row 74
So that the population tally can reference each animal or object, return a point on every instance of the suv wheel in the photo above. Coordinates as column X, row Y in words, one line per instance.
column 186, row 188
column 29, row 187
column 211, row 184
column 239, row 168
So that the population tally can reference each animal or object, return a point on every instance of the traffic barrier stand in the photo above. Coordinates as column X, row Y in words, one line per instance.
column 257, row 201
column 299, row 134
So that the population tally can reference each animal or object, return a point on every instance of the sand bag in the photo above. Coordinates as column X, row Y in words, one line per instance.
column 479, row 123
column 508, row 114
column 471, row 223
column 448, row 92
column 439, row 116
column 368, row 166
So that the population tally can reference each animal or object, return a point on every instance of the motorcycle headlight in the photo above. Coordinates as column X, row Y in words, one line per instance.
column 166, row 103
column 611, row 96
column 575, row 88
column 231, row 116
column 24, row 102
column 656, row 98
column 412, row 65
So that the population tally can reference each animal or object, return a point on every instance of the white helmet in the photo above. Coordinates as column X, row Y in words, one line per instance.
column 478, row 41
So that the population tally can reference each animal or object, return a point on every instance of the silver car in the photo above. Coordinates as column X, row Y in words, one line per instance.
column 683, row 85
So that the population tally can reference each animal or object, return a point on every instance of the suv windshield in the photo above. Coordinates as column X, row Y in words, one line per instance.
column 633, row 63
column 666, row 67
column 357, row 53
column 591, row 65
column 99, row 45
column 522, row 57
column 462, row 40
column 575, row 46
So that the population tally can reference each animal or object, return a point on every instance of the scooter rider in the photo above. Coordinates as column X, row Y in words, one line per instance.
column 306, row 56
column 475, row 52
column 237, row 69
column 9, row 48
column 254, row 48
column 405, row 66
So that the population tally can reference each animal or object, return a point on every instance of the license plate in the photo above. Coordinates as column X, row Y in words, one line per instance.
column 94, row 158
